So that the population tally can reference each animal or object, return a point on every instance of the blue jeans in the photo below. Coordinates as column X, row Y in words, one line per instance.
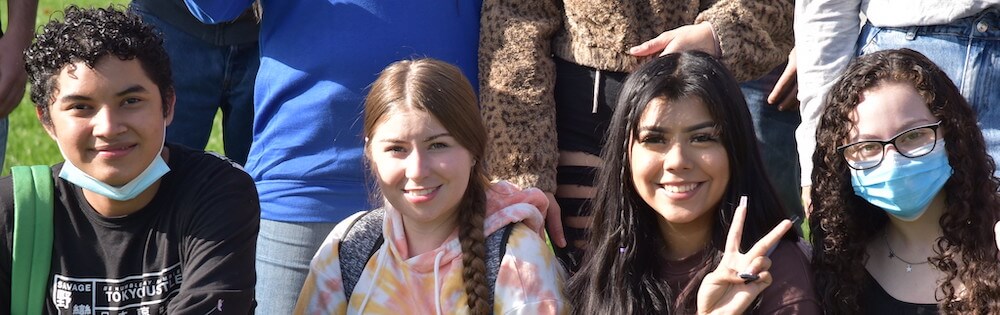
column 3, row 141
column 968, row 50
column 775, row 132
column 207, row 78
column 284, row 250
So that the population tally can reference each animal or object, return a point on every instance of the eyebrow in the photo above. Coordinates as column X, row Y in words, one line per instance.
column 431, row 138
column 77, row 97
column 707, row 124
column 132, row 89
column 909, row 125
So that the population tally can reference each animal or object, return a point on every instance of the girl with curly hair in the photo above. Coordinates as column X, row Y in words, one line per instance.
column 904, row 198
column 681, row 168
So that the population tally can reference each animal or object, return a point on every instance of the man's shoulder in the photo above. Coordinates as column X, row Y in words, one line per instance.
column 206, row 181
column 210, row 166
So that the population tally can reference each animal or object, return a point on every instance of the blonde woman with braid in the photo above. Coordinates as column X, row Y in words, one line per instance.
column 445, row 239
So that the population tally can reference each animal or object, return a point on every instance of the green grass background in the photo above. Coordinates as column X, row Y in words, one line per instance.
column 27, row 142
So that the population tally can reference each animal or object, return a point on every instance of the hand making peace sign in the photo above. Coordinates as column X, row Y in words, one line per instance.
column 739, row 278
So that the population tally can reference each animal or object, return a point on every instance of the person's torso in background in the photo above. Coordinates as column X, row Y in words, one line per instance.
column 888, row 13
column 317, row 60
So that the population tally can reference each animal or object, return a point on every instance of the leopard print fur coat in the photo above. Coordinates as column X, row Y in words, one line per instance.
column 519, row 37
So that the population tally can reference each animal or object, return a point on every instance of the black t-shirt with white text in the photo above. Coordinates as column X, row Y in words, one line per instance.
column 189, row 251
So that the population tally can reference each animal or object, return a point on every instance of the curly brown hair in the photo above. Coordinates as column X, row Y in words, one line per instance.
column 88, row 35
column 842, row 223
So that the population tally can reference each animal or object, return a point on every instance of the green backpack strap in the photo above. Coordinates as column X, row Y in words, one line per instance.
column 32, row 253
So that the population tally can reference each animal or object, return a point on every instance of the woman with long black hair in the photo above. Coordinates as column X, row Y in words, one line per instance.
column 681, row 168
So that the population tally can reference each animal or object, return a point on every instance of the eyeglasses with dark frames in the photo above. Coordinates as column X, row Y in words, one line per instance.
column 911, row 143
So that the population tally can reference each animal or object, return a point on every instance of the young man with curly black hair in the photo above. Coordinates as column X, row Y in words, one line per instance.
column 139, row 226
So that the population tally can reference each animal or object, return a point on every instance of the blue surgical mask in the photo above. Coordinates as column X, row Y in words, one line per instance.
column 902, row 186
column 156, row 169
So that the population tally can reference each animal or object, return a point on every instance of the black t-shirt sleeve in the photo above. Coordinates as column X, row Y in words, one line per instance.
column 218, row 246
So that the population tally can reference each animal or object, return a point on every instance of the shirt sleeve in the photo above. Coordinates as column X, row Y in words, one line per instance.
column 826, row 35
column 792, row 290
column 530, row 279
column 755, row 36
column 217, row 11
column 323, row 291
column 517, row 78
column 218, row 249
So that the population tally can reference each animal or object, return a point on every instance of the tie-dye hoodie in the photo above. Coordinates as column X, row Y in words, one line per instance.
column 529, row 280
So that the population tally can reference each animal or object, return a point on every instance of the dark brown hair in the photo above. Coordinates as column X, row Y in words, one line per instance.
column 440, row 89
column 842, row 223
column 87, row 35
column 623, row 271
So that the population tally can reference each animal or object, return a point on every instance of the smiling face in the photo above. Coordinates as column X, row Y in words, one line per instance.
column 108, row 120
column 679, row 164
column 422, row 170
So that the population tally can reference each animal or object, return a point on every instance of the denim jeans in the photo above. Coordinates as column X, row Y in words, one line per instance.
column 3, row 141
column 207, row 78
column 775, row 131
column 968, row 50
column 284, row 250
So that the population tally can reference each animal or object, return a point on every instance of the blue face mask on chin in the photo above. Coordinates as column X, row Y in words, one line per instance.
column 156, row 169
column 902, row 186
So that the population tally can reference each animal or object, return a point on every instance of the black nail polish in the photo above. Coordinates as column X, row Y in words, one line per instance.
column 748, row 277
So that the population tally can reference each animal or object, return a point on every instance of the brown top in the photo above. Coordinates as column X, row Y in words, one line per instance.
column 518, row 39
column 791, row 291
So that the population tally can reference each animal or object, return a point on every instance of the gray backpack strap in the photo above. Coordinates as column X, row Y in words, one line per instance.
column 362, row 238
column 496, row 247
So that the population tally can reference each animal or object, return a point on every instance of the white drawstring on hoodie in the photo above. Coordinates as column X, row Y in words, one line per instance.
column 368, row 295
column 437, row 286
column 381, row 261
